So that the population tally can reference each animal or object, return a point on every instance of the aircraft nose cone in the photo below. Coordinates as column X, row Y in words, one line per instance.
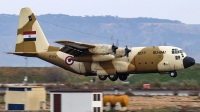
column 188, row 61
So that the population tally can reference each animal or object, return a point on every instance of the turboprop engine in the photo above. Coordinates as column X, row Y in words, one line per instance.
column 102, row 49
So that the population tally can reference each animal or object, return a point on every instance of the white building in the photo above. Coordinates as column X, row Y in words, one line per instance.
column 76, row 101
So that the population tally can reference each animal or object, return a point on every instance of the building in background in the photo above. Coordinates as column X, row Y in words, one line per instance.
column 76, row 101
column 25, row 98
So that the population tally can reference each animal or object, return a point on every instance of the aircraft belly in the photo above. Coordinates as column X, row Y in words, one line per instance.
column 106, row 72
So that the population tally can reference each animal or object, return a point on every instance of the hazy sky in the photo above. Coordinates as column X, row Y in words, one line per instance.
column 187, row 11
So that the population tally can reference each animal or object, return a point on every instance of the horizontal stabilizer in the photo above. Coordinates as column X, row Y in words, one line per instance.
column 28, row 54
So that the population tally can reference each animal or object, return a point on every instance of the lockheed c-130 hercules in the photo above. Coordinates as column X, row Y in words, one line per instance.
column 100, row 60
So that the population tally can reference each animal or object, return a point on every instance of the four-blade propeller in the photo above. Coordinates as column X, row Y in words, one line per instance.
column 115, row 47
column 127, row 51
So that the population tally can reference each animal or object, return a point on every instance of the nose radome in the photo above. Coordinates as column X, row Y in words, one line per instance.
column 188, row 61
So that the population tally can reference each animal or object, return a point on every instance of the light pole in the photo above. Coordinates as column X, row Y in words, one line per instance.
column 26, row 72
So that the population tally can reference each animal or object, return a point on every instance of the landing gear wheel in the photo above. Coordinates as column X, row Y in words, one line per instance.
column 123, row 77
column 113, row 77
column 173, row 74
column 102, row 77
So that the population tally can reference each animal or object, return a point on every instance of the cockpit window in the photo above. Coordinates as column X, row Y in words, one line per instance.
column 176, row 51
column 173, row 51
column 177, row 57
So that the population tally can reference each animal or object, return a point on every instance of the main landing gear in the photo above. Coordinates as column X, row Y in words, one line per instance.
column 122, row 77
column 113, row 77
column 173, row 74
column 102, row 77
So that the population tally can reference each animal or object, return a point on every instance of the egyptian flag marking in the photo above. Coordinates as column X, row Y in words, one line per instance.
column 29, row 36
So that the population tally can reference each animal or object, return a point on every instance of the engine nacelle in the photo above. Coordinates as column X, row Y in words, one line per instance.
column 101, row 49
column 120, row 52
column 107, row 49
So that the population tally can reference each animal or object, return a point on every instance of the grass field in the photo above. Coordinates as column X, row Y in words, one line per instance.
column 189, row 77
column 192, row 73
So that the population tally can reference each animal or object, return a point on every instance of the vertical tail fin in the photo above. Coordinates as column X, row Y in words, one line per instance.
column 30, row 37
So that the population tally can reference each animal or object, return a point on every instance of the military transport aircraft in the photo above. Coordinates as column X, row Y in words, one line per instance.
column 97, row 59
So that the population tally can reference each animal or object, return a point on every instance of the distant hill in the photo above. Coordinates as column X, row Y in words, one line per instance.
column 138, row 31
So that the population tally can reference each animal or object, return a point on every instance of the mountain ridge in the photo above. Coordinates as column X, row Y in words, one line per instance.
column 132, row 32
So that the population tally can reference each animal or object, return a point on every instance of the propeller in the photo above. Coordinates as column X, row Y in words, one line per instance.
column 165, row 44
column 114, row 46
column 127, row 51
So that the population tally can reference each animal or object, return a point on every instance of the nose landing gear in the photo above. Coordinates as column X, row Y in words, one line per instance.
column 173, row 74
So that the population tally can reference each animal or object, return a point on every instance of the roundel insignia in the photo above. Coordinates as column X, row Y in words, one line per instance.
column 68, row 61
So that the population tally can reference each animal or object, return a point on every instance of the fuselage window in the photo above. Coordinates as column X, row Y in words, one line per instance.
column 177, row 57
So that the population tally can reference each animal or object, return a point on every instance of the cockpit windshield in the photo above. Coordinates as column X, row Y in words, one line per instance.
column 176, row 51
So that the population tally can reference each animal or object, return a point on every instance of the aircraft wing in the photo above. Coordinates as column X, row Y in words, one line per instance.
column 77, row 45
column 75, row 48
